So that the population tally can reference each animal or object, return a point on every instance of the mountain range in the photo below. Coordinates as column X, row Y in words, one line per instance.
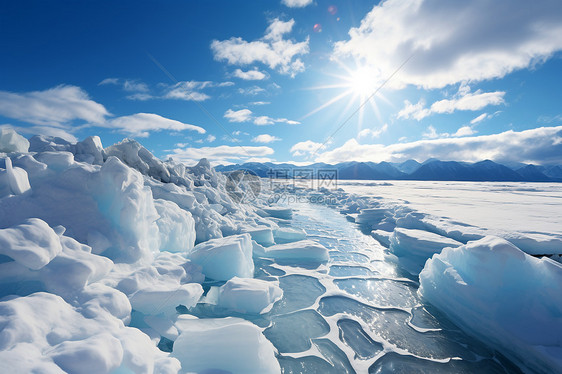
column 432, row 170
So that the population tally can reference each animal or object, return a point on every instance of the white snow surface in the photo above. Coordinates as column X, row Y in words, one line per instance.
column 503, row 296
column 95, row 248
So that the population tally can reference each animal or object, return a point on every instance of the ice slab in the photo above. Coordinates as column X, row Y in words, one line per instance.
column 262, row 235
column 11, row 141
column 156, row 300
column 248, row 295
column 223, row 345
column 302, row 250
column 289, row 234
column 225, row 258
column 501, row 295
column 279, row 212
column 414, row 247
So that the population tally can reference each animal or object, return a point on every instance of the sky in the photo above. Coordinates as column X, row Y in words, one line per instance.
column 290, row 80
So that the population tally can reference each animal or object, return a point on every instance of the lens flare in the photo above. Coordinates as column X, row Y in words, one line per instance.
column 317, row 28
column 332, row 9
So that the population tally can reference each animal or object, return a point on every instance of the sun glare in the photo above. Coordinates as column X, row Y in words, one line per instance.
column 359, row 84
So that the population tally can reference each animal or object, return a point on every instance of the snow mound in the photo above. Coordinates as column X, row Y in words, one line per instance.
column 11, row 141
column 248, row 295
column 32, row 244
column 223, row 345
column 503, row 296
column 225, row 258
column 43, row 333
column 302, row 250
column 414, row 247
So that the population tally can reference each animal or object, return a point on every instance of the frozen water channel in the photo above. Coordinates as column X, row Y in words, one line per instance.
column 358, row 313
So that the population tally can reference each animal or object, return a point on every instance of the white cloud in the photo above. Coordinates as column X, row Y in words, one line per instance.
column 296, row 3
column 306, row 147
column 242, row 115
column 211, row 138
column 265, row 138
column 246, row 115
column 479, row 119
column 250, row 75
column 271, row 50
column 432, row 133
column 224, row 154
column 464, row 131
column 373, row 133
column 188, row 90
column 141, row 124
column 140, row 89
column 53, row 107
column 538, row 146
column 252, row 91
column 259, row 103
column 453, row 41
column 463, row 100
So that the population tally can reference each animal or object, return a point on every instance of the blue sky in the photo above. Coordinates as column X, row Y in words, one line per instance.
column 290, row 80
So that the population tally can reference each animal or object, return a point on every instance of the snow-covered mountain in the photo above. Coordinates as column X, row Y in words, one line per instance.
column 431, row 169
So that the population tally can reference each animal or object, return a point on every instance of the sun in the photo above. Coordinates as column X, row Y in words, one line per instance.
column 360, row 84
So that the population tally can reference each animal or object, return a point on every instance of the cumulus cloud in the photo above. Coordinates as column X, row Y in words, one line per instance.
column 464, row 131
column 265, row 138
column 242, row 115
column 271, row 50
column 372, row 133
column 454, row 41
column 296, row 3
column 53, row 107
column 538, row 146
column 463, row 100
column 246, row 115
column 224, row 154
column 307, row 147
column 141, row 124
column 250, row 75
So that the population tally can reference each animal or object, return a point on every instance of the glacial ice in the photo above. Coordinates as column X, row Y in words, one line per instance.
column 505, row 297
column 248, row 295
column 223, row 345
column 224, row 258
column 279, row 212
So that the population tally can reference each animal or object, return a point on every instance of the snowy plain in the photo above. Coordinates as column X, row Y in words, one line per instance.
column 113, row 261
